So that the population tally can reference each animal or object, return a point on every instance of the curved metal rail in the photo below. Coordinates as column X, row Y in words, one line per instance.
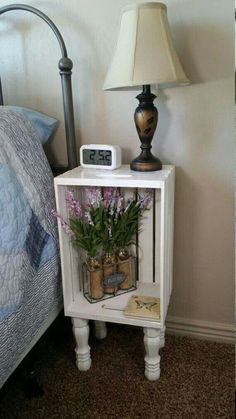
column 65, row 66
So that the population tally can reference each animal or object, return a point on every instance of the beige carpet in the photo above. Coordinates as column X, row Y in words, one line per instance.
column 197, row 379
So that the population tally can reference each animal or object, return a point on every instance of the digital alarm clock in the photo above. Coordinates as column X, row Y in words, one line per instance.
column 100, row 156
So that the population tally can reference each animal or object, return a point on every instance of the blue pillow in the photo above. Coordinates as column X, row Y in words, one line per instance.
column 45, row 125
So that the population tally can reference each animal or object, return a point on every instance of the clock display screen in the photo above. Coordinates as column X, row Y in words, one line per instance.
column 97, row 157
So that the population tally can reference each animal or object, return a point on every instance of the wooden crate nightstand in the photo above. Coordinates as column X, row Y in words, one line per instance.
column 155, row 255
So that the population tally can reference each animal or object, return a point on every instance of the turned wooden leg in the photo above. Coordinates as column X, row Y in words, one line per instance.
column 162, row 337
column 152, row 359
column 100, row 330
column 82, row 350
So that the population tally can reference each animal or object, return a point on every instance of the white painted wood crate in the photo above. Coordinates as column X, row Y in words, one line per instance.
column 155, row 245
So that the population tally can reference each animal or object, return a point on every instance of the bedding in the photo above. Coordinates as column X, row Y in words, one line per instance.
column 29, row 254
column 44, row 125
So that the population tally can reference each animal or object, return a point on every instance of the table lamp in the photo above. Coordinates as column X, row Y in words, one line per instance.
column 145, row 56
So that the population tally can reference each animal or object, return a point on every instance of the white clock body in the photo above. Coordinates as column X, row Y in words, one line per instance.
column 100, row 156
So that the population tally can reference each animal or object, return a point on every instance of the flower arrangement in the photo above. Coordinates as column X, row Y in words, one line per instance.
column 103, row 225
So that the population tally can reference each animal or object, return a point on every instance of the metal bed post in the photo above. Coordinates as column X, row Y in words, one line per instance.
column 1, row 96
column 65, row 66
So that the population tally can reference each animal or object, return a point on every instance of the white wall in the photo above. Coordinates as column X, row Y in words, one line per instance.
column 195, row 129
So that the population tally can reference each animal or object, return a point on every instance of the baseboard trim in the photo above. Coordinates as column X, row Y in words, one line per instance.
column 218, row 332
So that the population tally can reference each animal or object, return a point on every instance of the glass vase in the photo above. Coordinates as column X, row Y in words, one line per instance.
column 124, row 266
column 95, row 272
column 109, row 268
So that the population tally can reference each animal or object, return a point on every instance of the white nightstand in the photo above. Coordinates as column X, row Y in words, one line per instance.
column 155, row 255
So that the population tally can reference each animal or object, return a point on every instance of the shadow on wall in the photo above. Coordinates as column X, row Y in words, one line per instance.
column 163, row 125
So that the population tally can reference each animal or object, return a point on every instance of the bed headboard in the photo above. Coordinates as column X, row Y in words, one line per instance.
column 1, row 96
column 65, row 66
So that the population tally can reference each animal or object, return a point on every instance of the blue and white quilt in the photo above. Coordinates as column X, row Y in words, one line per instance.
column 28, row 232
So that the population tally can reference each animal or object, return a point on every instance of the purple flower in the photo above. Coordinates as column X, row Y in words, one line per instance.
column 145, row 200
column 87, row 216
column 111, row 197
column 120, row 205
column 108, row 194
column 94, row 197
column 65, row 227
column 73, row 204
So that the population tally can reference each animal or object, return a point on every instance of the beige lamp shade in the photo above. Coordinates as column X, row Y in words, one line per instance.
column 145, row 54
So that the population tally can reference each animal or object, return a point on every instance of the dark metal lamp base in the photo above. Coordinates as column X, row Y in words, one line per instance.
column 144, row 165
column 145, row 118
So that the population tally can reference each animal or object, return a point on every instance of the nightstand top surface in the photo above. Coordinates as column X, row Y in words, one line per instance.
column 123, row 177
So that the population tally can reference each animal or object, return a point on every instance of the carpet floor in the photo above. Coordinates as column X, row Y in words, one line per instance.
column 197, row 379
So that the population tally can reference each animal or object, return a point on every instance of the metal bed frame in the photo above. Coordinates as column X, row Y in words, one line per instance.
column 65, row 66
